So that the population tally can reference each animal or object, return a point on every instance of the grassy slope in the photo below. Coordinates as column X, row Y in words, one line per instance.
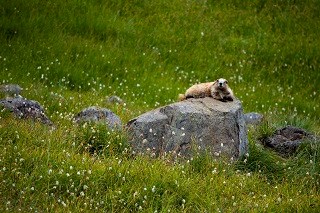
column 72, row 54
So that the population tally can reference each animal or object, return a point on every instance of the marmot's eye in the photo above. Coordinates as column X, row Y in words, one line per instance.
column 226, row 82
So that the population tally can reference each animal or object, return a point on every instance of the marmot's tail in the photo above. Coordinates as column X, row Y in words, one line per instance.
column 181, row 97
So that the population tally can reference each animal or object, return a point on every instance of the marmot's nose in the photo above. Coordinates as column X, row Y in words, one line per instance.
column 220, row 84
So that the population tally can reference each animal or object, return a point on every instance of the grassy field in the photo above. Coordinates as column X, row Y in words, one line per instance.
column 72, row 54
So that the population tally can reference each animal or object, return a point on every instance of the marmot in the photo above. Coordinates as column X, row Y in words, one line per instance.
column 218, row 89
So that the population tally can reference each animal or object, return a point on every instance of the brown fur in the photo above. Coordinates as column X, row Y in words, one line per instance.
column 218, row 89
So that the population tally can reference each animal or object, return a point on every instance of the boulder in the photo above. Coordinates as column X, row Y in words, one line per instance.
column 99, row 115
column 201, row 125
column 285, row 141
column 23, row 108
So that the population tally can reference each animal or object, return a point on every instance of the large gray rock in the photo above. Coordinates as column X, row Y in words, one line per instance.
column 99, row 115
column 24, row 108
column 203, row 124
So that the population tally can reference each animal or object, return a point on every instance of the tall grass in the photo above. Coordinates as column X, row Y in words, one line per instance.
column 72, row 54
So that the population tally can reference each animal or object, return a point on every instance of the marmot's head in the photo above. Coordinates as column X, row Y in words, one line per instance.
column 222, row 83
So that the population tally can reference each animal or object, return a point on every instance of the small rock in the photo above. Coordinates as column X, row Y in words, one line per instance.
column 253, row 118
column 97, row 114
column 285, row 141
column 114, row 99
column 23, row 108
column 10, row 90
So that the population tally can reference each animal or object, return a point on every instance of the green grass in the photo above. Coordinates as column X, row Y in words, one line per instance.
column 69, row 55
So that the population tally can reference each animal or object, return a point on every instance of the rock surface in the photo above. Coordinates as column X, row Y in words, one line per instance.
column 97, row 114
column 285, row 141
column 23, row 108
column 203, row 124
